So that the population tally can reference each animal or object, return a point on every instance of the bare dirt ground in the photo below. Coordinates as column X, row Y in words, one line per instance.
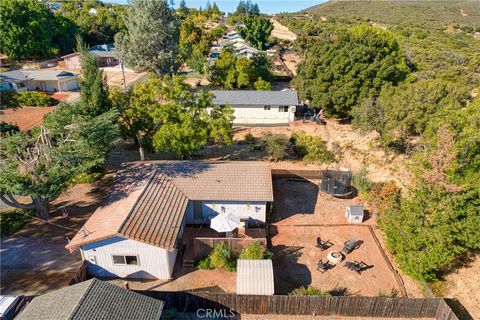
column 300, row 215
column 462, row 284
column 291, row 60
column 26, row 117
column 34, row 260
column 115, row 78
column 282, row 32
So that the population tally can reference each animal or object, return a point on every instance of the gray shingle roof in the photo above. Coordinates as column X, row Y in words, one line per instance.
column 40, row 75
column 252, row 97
column 92, row 299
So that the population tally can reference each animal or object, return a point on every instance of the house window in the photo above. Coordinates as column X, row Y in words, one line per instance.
column 21, row 84
column 266, row 107
column 125, row 260
column 283, row 109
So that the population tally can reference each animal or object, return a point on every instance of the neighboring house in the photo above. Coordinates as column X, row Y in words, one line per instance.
column 255, row 277
column 105, row 54
column 258, row 107
column 38, row 80
column 231, row 35
column 92, row 299
column 238, row 46
column 137, row 232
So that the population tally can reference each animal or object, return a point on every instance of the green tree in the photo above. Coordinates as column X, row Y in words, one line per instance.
column 42, row 167
column 94, row 91
column 182, row 8
column 256, row 30
column 344, row 67
column 151, row 37
column 98, row 26
column 262, row 85
column 30, row 30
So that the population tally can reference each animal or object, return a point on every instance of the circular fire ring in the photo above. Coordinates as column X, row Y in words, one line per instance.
column 334, row 257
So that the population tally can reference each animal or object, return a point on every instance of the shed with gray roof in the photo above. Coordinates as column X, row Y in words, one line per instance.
column 92, row 299
column 258, row 107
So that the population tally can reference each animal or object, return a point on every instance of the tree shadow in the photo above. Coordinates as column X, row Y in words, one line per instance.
column 288, row 273
column 293, row 196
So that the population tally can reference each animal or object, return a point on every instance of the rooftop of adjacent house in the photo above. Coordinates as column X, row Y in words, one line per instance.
column 92, row 299
column 252, row 97
column 34, row 74
column 148, row 200
column 255, row 277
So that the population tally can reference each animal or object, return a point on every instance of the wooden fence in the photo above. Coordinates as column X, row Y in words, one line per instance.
column 375, row 307
column 302, row 174
column 80, row 276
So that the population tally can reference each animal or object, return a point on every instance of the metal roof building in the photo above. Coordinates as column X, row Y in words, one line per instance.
column 92, row 299
column 255, row 277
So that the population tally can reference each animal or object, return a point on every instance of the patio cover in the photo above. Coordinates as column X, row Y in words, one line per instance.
column 255, row 277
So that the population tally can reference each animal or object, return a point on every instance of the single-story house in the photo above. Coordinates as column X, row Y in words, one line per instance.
column 255, row 277
column 259, row 107
column 137, row 231
column 105, row 54
column 38, row 80
column 92, row 299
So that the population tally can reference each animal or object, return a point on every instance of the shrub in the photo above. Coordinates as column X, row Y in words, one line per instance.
column 276, row 145
column 255, row 251
column 311, row 148
column 8, row 128
column 222, row 257
column 249, row 138
column 7, row 98
column 361, row 182
column 393, row 293
column 309, row 291
column 86, row 178
column 383, row 196
column 204, row 264
column 33, row 99
column 14, row 220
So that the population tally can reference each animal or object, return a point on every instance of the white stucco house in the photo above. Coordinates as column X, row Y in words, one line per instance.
column 38, row 80
column 259, row 107
column 137, row 231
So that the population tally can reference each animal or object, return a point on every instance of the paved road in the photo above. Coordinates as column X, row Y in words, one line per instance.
column 34, row 265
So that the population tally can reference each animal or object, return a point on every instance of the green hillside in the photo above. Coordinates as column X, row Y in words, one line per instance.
column 437, row 15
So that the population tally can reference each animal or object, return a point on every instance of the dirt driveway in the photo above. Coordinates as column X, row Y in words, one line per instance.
column 33, row 265
column 33, row 260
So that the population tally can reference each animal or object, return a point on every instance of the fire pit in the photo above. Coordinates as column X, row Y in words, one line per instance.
column 334, row 257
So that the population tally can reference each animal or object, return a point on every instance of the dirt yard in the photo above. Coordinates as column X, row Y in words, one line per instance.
column 300, row 215
column 26, row 118
column 34, row 260
column 462, row 284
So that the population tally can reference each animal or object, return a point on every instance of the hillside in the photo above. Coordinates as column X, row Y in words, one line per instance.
column 432, row 15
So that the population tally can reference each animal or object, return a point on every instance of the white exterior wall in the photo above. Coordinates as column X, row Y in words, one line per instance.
column 245, row 210
column 49, row 86
column 255, row 114
column 155, row 262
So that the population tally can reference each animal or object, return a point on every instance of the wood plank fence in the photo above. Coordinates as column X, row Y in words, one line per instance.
column 375, row 307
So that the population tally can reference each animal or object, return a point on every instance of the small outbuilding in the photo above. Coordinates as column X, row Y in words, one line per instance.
column 354, row 214
column 255, row 277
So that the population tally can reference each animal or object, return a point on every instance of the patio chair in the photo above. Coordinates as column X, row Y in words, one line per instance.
column 350, row 245
column 323, row 266
column 358, row 267
column 323, row 245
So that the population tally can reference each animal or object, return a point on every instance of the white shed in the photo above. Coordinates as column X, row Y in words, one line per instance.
column 255, row 277
column 354, row 214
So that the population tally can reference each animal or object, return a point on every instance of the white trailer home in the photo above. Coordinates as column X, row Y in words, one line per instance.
column 137, row 231
column 259, row 107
